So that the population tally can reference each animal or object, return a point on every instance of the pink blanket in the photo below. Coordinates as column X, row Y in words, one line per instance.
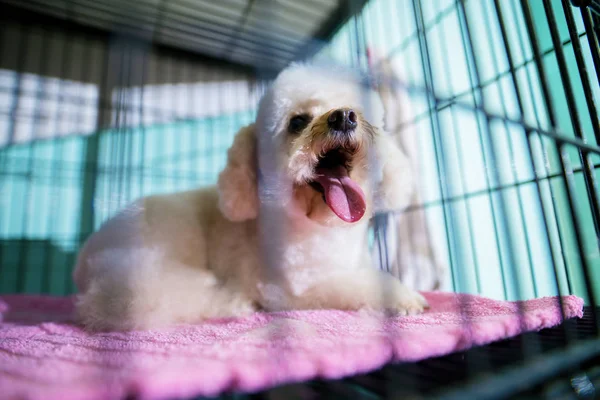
column 43, row 356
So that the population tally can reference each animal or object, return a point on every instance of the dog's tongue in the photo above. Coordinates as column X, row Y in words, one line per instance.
column 345, row 198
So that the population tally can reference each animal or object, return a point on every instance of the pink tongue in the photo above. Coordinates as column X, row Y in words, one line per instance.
column 345, row 198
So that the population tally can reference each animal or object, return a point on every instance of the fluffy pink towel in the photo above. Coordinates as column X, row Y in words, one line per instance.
column 43, row 356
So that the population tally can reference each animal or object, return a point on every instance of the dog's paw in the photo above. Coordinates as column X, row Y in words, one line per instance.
column 406, row 302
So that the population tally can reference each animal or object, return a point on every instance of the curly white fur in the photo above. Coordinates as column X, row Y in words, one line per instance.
column 262, row 238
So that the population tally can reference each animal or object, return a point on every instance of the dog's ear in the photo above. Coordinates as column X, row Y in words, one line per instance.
column 396, row 183
column 237, row 184
column 396, row 146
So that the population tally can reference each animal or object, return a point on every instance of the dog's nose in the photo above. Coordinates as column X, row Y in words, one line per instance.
column 343, row 120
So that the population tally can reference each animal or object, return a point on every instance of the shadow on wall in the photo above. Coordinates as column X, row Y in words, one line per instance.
column 36, row 267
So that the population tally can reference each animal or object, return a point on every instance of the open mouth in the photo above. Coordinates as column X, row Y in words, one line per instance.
column 332, row 160
column 343, row 196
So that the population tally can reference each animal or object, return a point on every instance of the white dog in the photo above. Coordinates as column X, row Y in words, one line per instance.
column 285, row 227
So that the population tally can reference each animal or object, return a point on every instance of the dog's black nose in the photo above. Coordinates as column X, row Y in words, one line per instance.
column 343, row 120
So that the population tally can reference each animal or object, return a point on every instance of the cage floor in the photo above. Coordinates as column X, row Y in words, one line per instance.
column 435, row 377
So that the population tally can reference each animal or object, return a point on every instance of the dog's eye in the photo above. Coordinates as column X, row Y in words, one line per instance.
column 298, row 122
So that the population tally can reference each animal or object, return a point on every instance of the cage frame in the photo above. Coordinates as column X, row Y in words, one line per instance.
column 577, row 353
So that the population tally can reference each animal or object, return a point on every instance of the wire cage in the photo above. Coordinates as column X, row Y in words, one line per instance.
column 103, row 102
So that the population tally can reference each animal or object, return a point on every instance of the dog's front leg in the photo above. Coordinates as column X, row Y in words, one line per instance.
column 365, row 288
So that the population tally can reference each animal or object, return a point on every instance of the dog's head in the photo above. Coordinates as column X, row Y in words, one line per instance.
column 317, row 150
